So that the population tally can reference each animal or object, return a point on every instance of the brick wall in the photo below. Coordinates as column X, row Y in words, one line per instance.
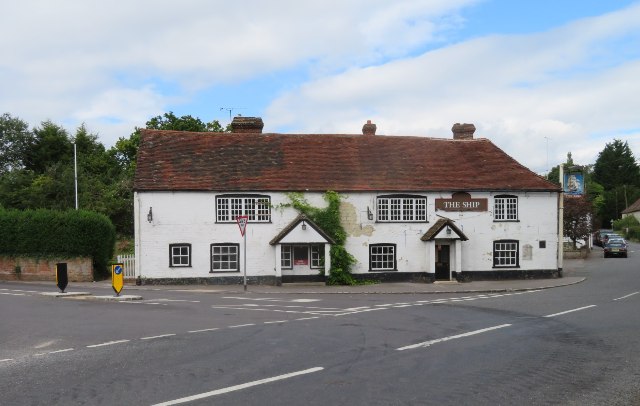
column 31, row 269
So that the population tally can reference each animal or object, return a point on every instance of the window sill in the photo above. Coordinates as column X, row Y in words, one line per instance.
column 224, row 271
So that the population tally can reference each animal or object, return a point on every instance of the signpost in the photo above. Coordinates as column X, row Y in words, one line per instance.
column 242, row 223
column 61, row 276
column 117, row 278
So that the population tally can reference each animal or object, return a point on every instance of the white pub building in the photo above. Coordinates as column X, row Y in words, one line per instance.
column 413, row 208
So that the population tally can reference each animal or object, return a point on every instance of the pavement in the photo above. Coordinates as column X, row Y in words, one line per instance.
column 133, row 292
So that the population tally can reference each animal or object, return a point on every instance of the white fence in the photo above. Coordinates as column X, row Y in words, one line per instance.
column 129, row 262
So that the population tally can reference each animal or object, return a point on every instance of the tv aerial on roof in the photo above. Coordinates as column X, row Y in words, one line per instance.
column 230, row 109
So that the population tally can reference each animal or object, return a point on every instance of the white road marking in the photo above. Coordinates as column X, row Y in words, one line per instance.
column 629, row 295
column 359, row 311
column 22, row 290
column 58, row 351
column 107, row 343
column 12, row 294
column 307, row 318
column 238, row 387
column 270, row 299
column 440, row 340
column 275, row 322
column 170, row 300
column 203, row 330
column 569, row 311
column 6, row 360
column 242, row 325
column 158, row 336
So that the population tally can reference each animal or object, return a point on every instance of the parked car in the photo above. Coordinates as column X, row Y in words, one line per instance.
column 614, row 248
column 609, row 236
column 599, row 235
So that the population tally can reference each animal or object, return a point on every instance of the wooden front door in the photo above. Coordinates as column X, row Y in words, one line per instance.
column 443, row 263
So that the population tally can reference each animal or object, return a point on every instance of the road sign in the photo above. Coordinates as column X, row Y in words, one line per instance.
column 117, row 277
column 242, row 223
column 61, row 276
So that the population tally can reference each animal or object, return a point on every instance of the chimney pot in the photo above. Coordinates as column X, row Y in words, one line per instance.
column 369, row 128
column 247, row 125
column 463, row 131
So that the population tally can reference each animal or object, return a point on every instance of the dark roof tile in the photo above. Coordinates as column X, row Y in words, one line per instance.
column 174, row 160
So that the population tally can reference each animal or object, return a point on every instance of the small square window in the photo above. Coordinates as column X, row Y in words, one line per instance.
column 382, row 257
column 179, row 255
column 225, row 257
column 542, row 244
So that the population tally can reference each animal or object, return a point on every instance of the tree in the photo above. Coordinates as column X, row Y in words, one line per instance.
column 14, row 138
column 618, row 173
column 578, row 212
column 616, row 166
column 50, row 145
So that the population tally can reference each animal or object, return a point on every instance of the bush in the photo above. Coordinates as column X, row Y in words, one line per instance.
column 628, row 226
column 49, row 233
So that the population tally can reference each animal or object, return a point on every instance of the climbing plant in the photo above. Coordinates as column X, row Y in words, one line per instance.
column 328, row 219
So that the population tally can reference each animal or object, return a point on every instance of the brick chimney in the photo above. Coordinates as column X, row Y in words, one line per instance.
column 369, row 128
column 247, row 125
column 463, row 131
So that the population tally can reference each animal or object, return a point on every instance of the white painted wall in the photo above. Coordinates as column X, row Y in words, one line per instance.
column 189, row 217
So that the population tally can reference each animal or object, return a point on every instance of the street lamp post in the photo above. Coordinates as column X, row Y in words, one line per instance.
column 75, row 172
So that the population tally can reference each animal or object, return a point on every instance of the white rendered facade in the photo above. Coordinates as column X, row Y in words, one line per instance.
column 187, row 221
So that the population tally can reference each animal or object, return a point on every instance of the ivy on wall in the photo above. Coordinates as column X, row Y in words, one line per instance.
column 328, row 219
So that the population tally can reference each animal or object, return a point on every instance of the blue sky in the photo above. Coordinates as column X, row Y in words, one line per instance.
column 538, row 78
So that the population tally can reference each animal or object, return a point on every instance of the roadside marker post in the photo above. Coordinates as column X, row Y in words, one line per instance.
column 117, row 278
column 242, row 223
column 61, row 276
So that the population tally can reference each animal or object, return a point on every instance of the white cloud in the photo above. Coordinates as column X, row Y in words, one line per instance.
column 517, row 90
column 68, row 60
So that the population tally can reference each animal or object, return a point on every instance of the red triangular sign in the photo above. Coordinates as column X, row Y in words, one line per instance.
column 242, row 223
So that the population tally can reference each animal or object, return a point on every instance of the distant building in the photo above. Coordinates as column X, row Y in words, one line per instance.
column 633, row 210
column 414, row 208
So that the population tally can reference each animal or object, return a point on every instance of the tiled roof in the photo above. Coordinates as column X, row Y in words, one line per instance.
column 633, row 208
column 174, row 160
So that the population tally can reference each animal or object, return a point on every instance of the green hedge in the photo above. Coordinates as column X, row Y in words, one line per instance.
column 48, row 233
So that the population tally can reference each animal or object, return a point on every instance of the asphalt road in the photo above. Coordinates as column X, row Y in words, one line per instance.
column 574, row 345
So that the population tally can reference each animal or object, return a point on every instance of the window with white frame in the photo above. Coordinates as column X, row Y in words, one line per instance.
column 505, row 208
column 382, row 257
column 225, row 257
column 286, row 256
column 317, row 256
column 179, row 255
column 256, row 207
column 506, row 254
column 397, row 208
